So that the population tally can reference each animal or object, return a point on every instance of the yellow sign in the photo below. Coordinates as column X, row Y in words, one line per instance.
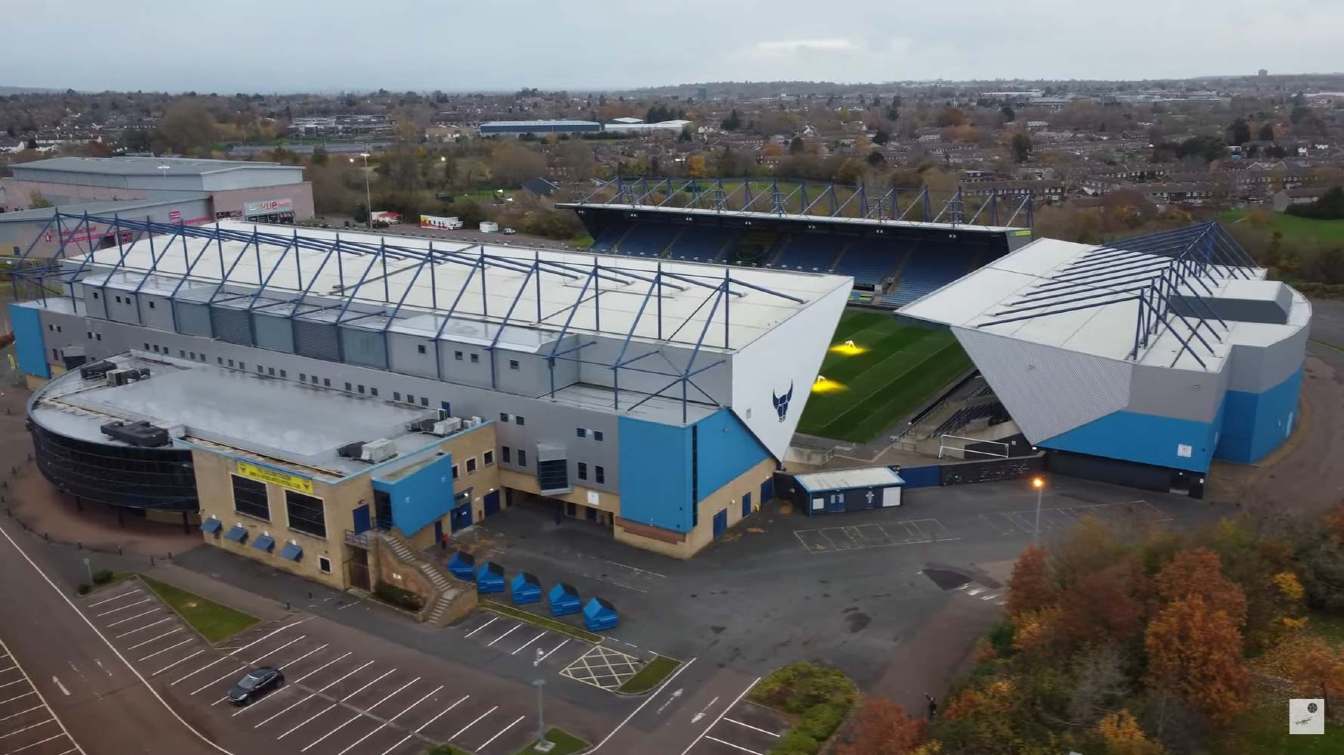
column 1023, row 232
column 275, row 477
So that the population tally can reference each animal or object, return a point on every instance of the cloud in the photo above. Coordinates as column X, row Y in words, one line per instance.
column 794, row 46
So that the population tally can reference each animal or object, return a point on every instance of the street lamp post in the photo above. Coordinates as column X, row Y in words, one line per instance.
column 368, row 201
column 540, row 684
column 1038, row 483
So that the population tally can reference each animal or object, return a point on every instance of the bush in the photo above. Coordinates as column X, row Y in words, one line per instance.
column 798, row 687
column 84, row 588
column 821, row 721
column 102, row 576
column 398, row 597
column 795, row 742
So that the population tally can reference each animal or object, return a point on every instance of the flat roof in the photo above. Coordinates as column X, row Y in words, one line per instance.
column 520, row 124
column 146, row 166
column 844, row 479
column 100, row 208
column 790, row 216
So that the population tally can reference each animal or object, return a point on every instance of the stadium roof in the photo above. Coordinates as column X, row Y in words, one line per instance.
column 1152, row 300
column 796, row 217
column 144, row 166
column 99, row 208
column 537, row 123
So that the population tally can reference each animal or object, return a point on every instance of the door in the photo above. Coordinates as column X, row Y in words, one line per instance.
column 446, row 407
column 836, row 503
column 746, row 505
column 362, row 520
column 720, row 523
column 461, row 517
column 492, row 503
column 438, row 532
column 767, row 491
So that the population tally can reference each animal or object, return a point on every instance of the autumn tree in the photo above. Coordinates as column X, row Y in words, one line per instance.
column 1313, row 666
column 1122, row 735
column 1198, row 572
column 1194, row 652
column 882, row 727
column 1102, row 604
column 1030, row 589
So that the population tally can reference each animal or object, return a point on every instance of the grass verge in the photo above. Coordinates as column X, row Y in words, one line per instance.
column 565, row 744
column 653, row 674
column 214, row 621
column 536, row 619
column 445, row 750
column 818, row 697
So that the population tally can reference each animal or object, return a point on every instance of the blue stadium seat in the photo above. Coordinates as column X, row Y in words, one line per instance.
column 808, row 252
column 608, row 236
column 701, row 243
column 930, row 268
column 869, row 261
column 648, row 239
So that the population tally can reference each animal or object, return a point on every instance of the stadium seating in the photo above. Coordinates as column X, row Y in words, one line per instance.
column 647, row 239
column 608, row 236
column 929, row 268
column 869, row 261
column 809, row 252
column 701, row 243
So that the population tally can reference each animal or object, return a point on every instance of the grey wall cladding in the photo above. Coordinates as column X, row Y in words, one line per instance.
column 317, row 340
column 193, row 319
column 274, row 333
column 231, row 325
column 366, row 347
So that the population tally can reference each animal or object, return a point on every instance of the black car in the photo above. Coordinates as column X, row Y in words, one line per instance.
column 256, row 683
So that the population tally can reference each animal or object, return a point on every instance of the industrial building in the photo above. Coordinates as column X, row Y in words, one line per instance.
column 652, row 398
column 1139, row 361
column 538, row 128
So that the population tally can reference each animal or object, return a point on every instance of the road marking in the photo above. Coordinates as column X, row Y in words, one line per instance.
column 20, row 697
column 749, row 726
column 48, row 739
column 155, row 638
column 333, row 705
column 506, row 634
column 60, row 686
column 122, row 608
column 173, row 646
column 548, row 655
column 143, row 628
column 361, row 714
column 297, row 681
column 647, row 700
column 7, row 684
column 20, row 713
column 311, row 695
column 497, row 735
column 473, row 723
column 483, row 626
column 232, row 653
column 672, row 698
column 119, row 622
column 282, row 666
column 716, row 720
column 701, row 713
column 529, row 642
column 422, row 726
column 43, row 722
column 252, row 662
column 7, row 668
column 384, row 724
column 174, row 663
column 132, row 591
column 730, row 744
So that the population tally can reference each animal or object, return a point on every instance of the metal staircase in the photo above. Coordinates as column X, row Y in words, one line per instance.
column 445, row 591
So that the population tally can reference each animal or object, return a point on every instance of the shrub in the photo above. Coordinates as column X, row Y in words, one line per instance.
column 84, row 588
column 102, row 576
column 398, row 597
column 799, row 686
column 795, row 742
column 821, row 721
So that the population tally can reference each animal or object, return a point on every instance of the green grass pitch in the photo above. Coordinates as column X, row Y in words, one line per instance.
column 902, row 368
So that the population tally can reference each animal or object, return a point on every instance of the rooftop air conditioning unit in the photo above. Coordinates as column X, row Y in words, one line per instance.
column 96, row 370
column 351, row 450
column 474, row 421
column 119, row 377
column 447, row 426
column 376, row 451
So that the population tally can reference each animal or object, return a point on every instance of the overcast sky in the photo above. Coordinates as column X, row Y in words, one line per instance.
column 454, row 45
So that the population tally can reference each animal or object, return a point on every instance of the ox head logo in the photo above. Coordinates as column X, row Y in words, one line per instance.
column 782, row 402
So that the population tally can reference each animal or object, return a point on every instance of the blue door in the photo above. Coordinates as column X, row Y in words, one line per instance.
column 492, row 503
column 767, row 490
column 720, row 522
column 461, row 517
column 835, row 503
column 362, row 521
column 446, row 407
column 746, row 505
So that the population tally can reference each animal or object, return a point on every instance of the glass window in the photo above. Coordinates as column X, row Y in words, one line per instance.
column 488, row 458
column 519, row 420
column 522, row 458
column 151, row 305
column 475, row 358
column 506, row 454
column 471, row 465
column 455, row 472
column 513, row 364
column 424, row 401
column 583, row 471
column 457, row 355
column 597, row 435
column 420, row 347
column 270, row 371
column 305, row 513
column 324, row 564
column 326, row 382
column 503, row 416
column 582, row 433
column 360, row 387
column 181, row 353
column 600, row 474
column 303, row 377
column 249, row 497
column 283, row 373
column 373, row 391
column 396, row 395
column 347, row 386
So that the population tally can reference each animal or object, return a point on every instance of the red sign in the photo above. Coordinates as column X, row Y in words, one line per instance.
column 174, row 216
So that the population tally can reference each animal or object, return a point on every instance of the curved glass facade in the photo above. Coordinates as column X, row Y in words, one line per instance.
column 137, row 478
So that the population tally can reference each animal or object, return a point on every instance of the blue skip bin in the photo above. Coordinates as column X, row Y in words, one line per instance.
column 463, row 566
column 490, row 578
column 599, row 615
column 564, row 600
column 525, row 588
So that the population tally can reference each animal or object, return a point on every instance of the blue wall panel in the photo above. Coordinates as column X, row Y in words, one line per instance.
column 420, row 497
column 1144, row 438
column 725, row 449
column 1256, row 423
column 655, row 483
column 922, row 477
column 29, row 345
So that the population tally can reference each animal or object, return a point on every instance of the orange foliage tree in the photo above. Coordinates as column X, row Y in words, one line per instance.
column 1102, row 604
column 1194, row 652
column 1030, row 588
column 882, row 727
column 1199, row 572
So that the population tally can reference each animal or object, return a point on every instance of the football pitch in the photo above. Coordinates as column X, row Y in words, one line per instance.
column 889, row 372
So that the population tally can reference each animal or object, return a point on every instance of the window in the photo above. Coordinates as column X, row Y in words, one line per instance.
column 518, row 419
column 55, row 355
column 151, row 305
column 360, row 387
column 420, row 347
column 146, row 344
column 326, row 382
column 89, row 333
column 303, row 377
column 97, row 336
column 347, row 386
column 156, row 348
column 193, row 355
column 488, row 458
column 261, row 370
column 270, row 371
column 249, row 497
column 118, row 298
column 522, row 457
column 471, row 465
column 597, row 435
column 230, row 361
column 95, row 294
column 305, row 514
column 242, row 365
column 503, row 416
column 410, row 399
column 506, row 454
column 455, row 475
column 181, row 353
column 396, row 395
column 220, row 360
column 284, row 374
column 582, row 433
column 324, row 564
column 457, row 355
column 513, row 364
column 424, row 401
column 373, row 391
column 600, row 475
column 583, row 471
column 553, row 474
column 475, row 358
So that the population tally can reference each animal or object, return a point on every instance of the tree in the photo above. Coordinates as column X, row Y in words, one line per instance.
column 186, row 126
column 1267, row 132
column 797, row 145
column 1007, row 114
column 876, row 159
column 1030, row 588
column 1198, row 572
column 1312, row 665
column 319, row 156
column 881, row 136
column 949, row 116
column 31, row 143
column 1123, row 735
column 1239, row 132
column 1194, row 652
column 1102, row 604
column 881, row 727
column 1021, row 146
column 733, row 122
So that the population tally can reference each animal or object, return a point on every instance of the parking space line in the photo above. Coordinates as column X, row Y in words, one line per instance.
column 42, row 700
column 119, row 622
column 155, row 638
column 231, row 653
column 529, row 642
column 483, row 626
column 299, row 680
column 122, row 608
column 360, row 714
column 384, row 724
column 247, row 663
column 338, row 702
column 282, row 667
column 506, row 634
column 552, row 650
column 311, row 695
column 425, row 725
column 17, row 697
column 719, row 717
column 20, row 713
column 43, row 722
column 730, row 744
column 142, row 628
column 170, row 647
column 749, row 726
column 500, row 733
column 461, row 731
column 8, row 684
column 174, row 663
column 132, row 591
column 42, row 742
column 7, row 668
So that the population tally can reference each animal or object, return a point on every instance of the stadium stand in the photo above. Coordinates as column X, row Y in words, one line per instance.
column 701, row 243
column 928, row 269
column 870, row 261
column 606, row 239
column 647, row 239
column 808, row 252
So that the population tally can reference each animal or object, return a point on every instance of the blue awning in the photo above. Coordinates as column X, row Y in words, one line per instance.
column 238, row 534
column 291, row 552
column 264, row 543
column 211, row 526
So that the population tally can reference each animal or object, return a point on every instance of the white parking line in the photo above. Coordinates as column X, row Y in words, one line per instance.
column 483, row 626
column 719, row 717
column 128, row 619
column 500, row 733
column 767, row 732
column 44, row 741
column 7, row 684
column 155, row 638
column 358, row 715
column 552, row 650
column 382, row 726
column 18, row 697
column 132, row 591
column 252, row 662
column 231, row 653
column 422, row 726
column 253, row 706
column 282, row 667
column 473, row 723
column 20, row 713
column 506, row 634
column 333, row 705
column 7, row 668
column 311, row 695
column 174, row 646
column 40, row 698
column 174, row 663
column 122, row 608
column 529, row 642
column 43, row 722
column 142, row 628
column 730, row 744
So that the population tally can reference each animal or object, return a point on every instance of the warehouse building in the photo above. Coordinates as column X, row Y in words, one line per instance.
column 651, row 398
column 538, row 128
column 1137, row 362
